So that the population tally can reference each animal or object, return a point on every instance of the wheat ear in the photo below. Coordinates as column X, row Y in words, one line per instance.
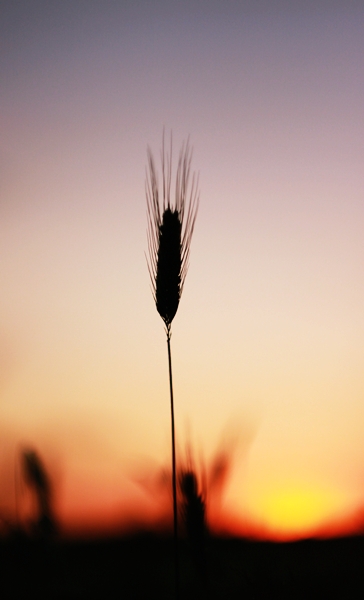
column 170, row 228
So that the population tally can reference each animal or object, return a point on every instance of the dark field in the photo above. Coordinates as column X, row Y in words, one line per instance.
column 142, row 567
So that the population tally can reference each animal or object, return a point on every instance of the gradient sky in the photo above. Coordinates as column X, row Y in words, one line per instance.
column 268, row 342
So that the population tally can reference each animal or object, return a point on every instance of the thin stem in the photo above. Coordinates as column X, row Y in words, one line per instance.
column 174, row 481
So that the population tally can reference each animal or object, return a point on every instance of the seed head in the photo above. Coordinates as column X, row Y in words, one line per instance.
column 170, row 228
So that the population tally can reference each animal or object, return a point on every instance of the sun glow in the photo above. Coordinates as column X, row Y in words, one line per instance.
column 298, row 511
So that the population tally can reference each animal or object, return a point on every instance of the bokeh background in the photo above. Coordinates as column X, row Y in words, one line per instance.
column 268, row 342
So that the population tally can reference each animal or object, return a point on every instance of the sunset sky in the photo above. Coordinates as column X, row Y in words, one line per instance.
column 268, row 341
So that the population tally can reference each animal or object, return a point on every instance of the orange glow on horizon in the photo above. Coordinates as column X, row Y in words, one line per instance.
column 102, row 502
column 283, row 514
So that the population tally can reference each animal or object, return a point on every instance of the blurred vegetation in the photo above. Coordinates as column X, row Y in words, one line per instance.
column 43, row 522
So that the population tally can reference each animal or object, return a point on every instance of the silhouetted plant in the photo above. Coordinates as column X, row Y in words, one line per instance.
column 36, row 477
column 193, row 515
column 193, row 489
column 170, row 228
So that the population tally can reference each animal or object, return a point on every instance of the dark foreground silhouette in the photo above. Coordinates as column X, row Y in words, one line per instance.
column 141, row 566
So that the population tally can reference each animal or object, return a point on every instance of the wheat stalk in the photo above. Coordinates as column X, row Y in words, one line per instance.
column 170, row 228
